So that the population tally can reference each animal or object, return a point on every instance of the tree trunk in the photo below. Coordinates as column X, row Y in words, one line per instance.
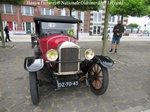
column 122, row 19
column 70, row 10
column 105, row 27
column 1, row 27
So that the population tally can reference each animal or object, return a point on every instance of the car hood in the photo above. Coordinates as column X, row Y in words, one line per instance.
column 53, row 41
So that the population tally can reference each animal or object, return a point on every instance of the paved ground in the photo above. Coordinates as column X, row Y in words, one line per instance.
column 128, row 90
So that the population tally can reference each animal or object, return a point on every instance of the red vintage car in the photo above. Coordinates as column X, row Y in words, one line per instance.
column 56, row 48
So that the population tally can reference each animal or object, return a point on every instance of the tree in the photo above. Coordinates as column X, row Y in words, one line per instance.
column 17, row 2
column 14, row 2
column 147, row 3
column 133, row 25
column 80, row 5
column 129, row 8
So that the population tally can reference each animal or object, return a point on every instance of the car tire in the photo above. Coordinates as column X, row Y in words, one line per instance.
column 33, row 87
column 99, row 79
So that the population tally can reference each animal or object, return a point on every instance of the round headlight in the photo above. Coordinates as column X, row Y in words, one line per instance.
column 52, row 55
column 89, row 54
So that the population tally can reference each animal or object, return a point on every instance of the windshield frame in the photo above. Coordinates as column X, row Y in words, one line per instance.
column 39, row 30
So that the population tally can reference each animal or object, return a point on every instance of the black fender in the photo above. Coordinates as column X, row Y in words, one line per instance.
column 33, row 64
column 105, row 61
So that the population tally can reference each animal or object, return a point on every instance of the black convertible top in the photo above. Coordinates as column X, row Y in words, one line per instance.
column 60, row 19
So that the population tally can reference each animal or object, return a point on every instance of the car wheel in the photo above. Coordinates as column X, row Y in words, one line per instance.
column 33, row 87
column 99, row 79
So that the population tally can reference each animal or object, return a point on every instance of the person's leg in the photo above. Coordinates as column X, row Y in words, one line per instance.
column 112, row 44
column 117, row 44
column 6, row 38
column 9, row 38
column 116, row 47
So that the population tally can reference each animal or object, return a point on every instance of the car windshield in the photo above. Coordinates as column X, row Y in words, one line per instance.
column 49, row 28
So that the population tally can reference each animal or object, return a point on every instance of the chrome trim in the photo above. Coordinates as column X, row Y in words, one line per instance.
column 68, row 44
column 49, row 51
column 66, row 73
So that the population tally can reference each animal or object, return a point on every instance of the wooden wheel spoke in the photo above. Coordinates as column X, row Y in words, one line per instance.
column 99, row 71
column 98, row 67
column 93, row 71
column 95, row 84
column 100, row 81
column 99, row 76
column 94, row 67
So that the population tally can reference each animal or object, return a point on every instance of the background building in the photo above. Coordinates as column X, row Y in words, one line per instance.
column 20, row 18
column 97, row 19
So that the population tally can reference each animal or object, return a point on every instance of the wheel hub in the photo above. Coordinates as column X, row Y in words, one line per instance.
column 95, row 76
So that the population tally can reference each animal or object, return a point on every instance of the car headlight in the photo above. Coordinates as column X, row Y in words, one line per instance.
column 52, row 55
column 89, row 54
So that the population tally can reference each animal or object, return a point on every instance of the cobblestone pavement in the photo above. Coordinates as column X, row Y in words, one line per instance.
column 128, row 91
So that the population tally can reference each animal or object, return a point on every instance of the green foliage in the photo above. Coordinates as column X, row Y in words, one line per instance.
column 133, row 25
column 129, row 8
column 147, row 3
column 15, row 2
column 80, row 5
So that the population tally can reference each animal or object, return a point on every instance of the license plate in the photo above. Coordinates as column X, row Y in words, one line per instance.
column 69, row 83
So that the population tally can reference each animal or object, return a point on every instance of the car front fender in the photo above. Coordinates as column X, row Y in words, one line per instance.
column 32, row 64
column 105, row 61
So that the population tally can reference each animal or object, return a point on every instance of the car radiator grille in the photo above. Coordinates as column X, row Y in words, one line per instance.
column 70, row 58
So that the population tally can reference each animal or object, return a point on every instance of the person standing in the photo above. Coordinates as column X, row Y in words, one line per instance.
column 7, row 33
column 118, row 30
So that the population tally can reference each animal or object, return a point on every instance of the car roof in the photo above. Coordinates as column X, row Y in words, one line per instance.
column 60, row 19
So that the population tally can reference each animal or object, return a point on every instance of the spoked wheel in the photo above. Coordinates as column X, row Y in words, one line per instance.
column 98, row 79
column 33, row 87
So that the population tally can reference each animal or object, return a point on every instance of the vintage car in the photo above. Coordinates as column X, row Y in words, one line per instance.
column 56, row 48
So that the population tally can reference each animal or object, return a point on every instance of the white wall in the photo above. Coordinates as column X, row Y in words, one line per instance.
column 63, row 12
column 139, row 20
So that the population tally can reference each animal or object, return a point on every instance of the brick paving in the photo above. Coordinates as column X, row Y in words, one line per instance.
column 128, row 90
